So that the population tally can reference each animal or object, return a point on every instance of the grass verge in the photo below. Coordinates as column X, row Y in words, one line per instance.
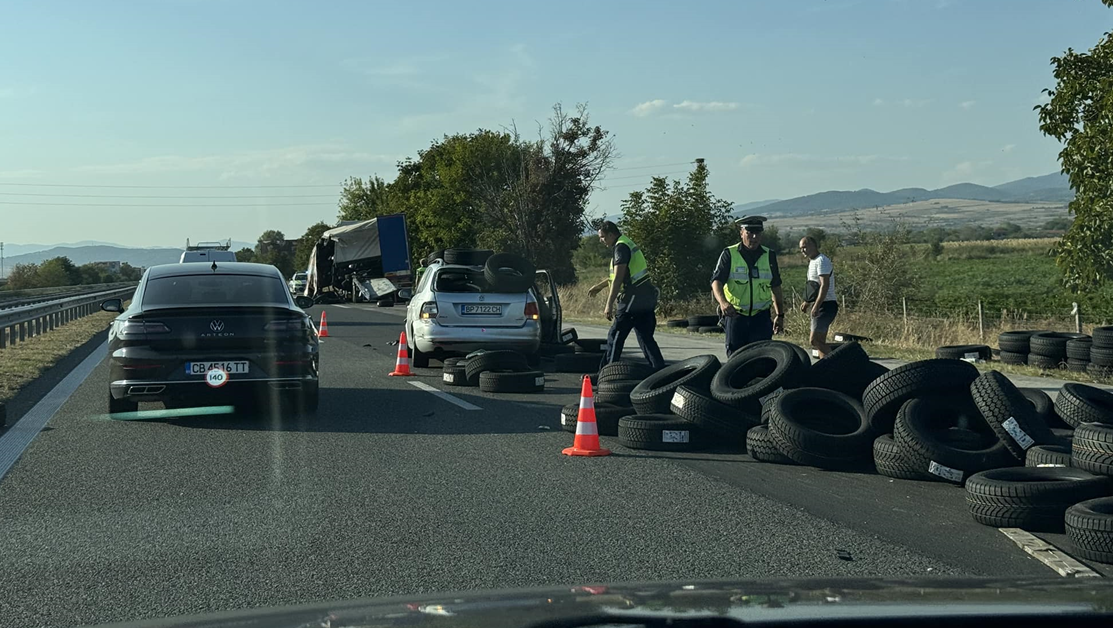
column 23, row 362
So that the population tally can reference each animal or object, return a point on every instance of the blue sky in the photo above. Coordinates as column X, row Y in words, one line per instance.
column 782, row 99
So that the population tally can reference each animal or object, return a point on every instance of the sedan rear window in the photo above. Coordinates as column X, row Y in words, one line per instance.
column 460, row 280
column 189, row 290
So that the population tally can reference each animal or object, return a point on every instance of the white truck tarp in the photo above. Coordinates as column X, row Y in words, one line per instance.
column 354, row 241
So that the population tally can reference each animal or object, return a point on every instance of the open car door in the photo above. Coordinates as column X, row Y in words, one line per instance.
column 548, row 302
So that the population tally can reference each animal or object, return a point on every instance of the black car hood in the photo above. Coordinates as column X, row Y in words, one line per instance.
column 748, row 601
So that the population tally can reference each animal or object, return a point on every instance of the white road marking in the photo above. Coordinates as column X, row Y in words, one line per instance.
column 1049, row 555
column 19, row 436
column 443, row 395
column 346, row 307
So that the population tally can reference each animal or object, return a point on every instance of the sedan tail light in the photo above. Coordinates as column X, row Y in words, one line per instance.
column 291, row 324
column 532, row 312
column 429, row 310
column 134, row 328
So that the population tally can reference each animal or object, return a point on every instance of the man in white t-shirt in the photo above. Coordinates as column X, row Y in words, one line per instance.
column 824, row 306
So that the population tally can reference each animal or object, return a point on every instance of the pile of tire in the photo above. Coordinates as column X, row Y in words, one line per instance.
column 1048, row 349
column 702, row 324
column 965, row 352
column 584, row 354
column 1014, row 346
column 1101, row 354
column 494, row 372
column 611, row 394
column 814, row 416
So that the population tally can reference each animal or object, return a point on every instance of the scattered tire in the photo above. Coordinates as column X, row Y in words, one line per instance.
column 515, row 382
column 719, row 419
column 1089, row 525
column 1102, row 356
column 1052, row 344
column 883, row 398
column 820, row 428
column 625, row 370
column 654, row 394
column 1010, row 414
column 568, row 335
column 507, row 272
column 756, row 373
column 1092, row 448
column 615, row 392
column 925, row 428
column 606, row 417
column 590, row 345
column 455, row 361
column 1079, row 349
column 1079, row 403
column 893, row 461
column 659, row 432
column 578, row 362
column 1008, row 357
column 711, row 330
column 801, row 352
column 467, row 257
column 703, row 320
column 967, row 352
column 760, row 446
column 1044, row 406
column 679, row 323
column 1103, row 337
column 1015, row 341
column 504, row 361
column 1048, row 456
column 457, row 375
column 847, row 369
column 1044, row 362
column 1032, row 498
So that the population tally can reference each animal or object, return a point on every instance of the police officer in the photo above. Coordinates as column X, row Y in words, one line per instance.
column 747, row 285
column 636, row 298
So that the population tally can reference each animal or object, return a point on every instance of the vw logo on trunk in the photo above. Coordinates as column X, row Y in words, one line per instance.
column 217, row 325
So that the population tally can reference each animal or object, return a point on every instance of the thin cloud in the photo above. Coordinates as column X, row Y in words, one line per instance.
column 963, row 171
column 1008, row 148
column 1042, row 99
column 256, row 163
column 758, row 159
column 878, row 102
column 713, row 106
column 903, row 102
column 912, row 102
column 648, row 108
column 967, row 104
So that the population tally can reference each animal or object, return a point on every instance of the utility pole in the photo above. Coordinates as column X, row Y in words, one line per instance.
column 1, row 259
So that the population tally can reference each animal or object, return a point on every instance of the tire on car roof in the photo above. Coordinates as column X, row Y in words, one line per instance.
column 467, row 257
column 508, row 272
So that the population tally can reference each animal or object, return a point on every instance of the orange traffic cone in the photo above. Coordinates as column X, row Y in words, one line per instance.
column 402, row 367
column 587, row 432
column 323, row 331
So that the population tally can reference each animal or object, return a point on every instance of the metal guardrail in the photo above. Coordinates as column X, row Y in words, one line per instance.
column 20, row 323
column 19, row 298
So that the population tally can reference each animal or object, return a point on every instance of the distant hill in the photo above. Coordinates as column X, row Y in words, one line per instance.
column 743, row 208
column 1052, row 188
column 98, row 253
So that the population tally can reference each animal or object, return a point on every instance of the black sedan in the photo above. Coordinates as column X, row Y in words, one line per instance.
column 201, row 334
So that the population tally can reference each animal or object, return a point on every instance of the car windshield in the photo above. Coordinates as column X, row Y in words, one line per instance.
column 212, row 289
column 304, row 302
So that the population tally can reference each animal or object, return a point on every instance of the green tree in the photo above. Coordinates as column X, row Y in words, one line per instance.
column 1080, row 115
column 129, row 272
column 361, row 200
column 245, row 255
column 591, row 254
column 58, row 271
column 680, row 226
column 271, row 248
column 23, row 277
column 772, row 239
column 1057, row 224
column 306, row 244
column 93, row 273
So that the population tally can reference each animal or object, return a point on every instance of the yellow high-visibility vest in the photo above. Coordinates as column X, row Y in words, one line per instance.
column 639, row 270
column 749, row 290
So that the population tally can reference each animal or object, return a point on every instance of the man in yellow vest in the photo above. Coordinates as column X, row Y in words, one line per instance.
column 747, row 285
column 636, row 298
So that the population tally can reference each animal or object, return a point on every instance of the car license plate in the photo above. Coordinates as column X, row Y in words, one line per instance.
column 232, row 367
column 495, row 310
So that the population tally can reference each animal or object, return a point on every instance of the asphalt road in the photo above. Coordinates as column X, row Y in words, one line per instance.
column 392, row 490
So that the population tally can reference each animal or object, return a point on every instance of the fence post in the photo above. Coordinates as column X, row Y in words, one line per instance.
column 1077, row 318
column 904, row 308
column 981, row 322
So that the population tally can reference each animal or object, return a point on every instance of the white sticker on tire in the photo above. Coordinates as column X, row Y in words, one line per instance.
column 566, row 419
column 971, row 356
column 540, row 381
column 1020, row 436
column 945, row 472
column 1048, row 464
column 449, row 377
column 772, row 395
column 677, row 400
column 674, row 436
column 838, row 338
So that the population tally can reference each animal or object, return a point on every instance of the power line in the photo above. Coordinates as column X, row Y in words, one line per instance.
column 170, row 187
column 183, row 206
column 155, row 196
column 642, row 176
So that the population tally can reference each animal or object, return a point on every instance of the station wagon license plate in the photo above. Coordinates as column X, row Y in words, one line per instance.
column 488, row 310
column 232, row 367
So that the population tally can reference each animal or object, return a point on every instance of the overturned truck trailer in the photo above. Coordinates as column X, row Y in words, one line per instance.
column 365, row 260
